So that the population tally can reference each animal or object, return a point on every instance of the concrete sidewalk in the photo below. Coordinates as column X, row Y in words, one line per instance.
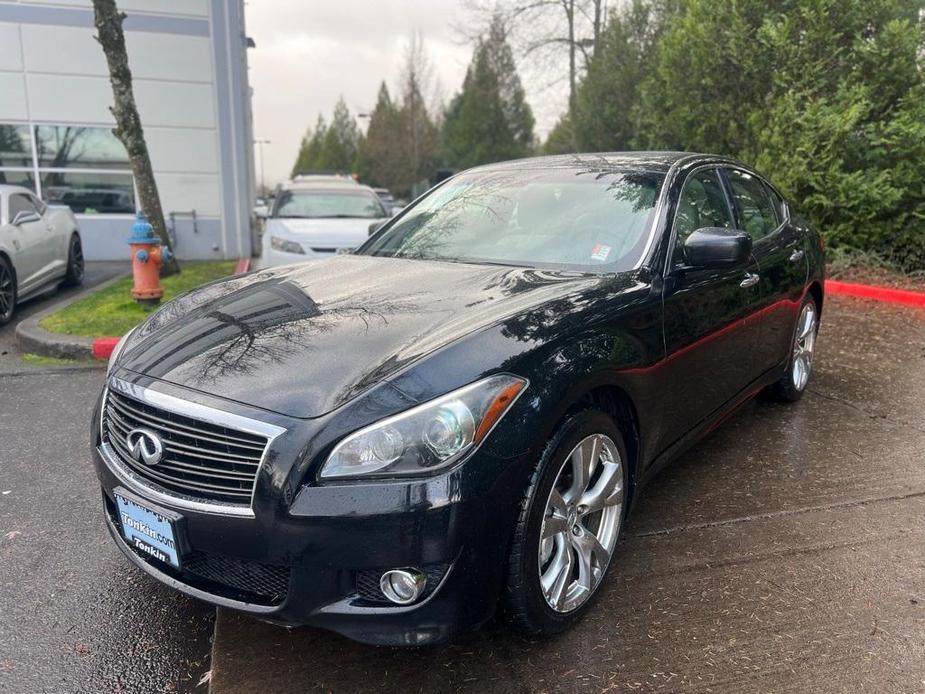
column 784, row 553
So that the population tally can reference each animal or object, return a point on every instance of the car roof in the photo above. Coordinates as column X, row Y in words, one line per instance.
column 315, row 180
column 7, row 189
column 603, row 162
column 326, row 184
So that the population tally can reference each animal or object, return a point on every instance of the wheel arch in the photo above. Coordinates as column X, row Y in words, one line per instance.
column 6, row 256
column 815, row 290
column 614, row 400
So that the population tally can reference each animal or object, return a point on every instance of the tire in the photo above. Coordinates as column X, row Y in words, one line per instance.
column 7, row 291
column 75, row 263
column 526, row 604
column 793, row 382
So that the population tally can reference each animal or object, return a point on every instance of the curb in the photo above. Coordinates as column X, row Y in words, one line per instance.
column 903, row 297
column 33, row 338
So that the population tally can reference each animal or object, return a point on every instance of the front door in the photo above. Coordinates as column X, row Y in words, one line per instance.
column 30, row 243
column 711, row 330
column 779, row 251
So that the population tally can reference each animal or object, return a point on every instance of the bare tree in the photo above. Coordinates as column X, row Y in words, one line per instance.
column 108, row 20
column 541, row 31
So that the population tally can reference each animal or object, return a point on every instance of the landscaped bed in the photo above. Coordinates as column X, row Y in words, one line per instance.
column 113, row 312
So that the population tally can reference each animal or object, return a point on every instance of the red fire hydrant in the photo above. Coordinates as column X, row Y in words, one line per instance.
column 147, row 257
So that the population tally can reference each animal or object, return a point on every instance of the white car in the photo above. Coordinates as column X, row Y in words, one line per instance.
column 39, row 248
column 316, row 217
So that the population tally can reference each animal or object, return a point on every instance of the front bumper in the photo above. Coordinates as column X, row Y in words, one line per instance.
column 330, row 542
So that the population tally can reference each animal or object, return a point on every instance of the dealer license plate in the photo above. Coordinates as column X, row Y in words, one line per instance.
column 148, row 531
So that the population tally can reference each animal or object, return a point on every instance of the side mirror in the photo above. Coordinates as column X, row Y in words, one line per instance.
column 262, row 211
column 25, row 217
column 374, row 227
column 717, row 247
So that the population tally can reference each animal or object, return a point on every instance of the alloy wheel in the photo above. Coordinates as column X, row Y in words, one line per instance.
column 804, row 343
column 7, row 291
column 582, row 523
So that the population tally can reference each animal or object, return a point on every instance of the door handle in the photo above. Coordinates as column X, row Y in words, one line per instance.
column 796, row 256
column 750, row 280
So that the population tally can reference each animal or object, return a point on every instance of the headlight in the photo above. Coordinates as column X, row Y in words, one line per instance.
column 285, row 246
column 430, row 436
column 117, row 350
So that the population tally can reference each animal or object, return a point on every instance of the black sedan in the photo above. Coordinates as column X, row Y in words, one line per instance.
column 459, row 416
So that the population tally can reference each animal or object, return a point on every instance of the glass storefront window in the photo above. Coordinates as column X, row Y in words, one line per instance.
column 15, row 146
column 90, row 193
column 18, row 178
column 70, row 147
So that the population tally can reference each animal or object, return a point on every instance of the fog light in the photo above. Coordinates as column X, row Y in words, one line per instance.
column 402, row 586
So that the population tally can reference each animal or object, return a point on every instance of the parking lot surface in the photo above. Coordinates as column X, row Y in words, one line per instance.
column 786, row 552
column 74, row 615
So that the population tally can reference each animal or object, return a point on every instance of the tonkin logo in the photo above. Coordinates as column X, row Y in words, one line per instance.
column 145, row 446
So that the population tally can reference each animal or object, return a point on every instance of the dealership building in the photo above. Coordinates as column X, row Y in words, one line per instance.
column 189, row 63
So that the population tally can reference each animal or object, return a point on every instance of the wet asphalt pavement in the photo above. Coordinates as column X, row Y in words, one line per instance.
column 74, row 616
column 786, row 552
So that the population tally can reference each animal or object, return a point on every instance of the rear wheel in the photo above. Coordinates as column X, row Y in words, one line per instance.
column 569, row 524
column 75, row 263
column 792, row 384
column 7, row 291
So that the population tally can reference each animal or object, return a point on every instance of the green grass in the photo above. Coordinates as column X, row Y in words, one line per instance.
column 112, row 311
column 39, row 360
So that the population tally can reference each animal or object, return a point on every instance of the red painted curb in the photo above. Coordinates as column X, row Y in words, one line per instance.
column 885, row 294
column 103, row 346
column 244, row 265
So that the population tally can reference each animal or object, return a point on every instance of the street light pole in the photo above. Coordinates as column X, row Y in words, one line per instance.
column 261, row 143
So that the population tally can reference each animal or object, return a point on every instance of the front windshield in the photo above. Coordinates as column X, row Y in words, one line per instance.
column 564, row 218
column 318, row 204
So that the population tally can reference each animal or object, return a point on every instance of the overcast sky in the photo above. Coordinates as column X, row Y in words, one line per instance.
column 310, row 52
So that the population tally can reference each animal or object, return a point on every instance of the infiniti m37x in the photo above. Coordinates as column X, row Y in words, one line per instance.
column 456, row 418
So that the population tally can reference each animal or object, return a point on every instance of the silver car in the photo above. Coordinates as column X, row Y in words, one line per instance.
column 39, row 248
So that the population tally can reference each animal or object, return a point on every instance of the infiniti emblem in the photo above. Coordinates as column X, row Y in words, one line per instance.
column 145, row 446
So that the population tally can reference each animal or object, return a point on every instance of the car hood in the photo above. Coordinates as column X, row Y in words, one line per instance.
column 304, row 339
column 323, row 233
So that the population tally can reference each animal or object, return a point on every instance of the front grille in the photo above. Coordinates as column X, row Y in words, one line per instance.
column 201, row 460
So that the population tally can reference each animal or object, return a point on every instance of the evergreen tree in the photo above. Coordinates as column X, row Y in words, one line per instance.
column 380, row 153
column 419, row 138
column 309, row 156
column 339, row 147
column 489, row 120
column 607, row 105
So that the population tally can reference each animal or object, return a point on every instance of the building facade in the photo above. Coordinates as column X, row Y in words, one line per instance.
column 189, row 65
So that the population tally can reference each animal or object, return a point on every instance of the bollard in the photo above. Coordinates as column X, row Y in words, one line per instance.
column 147, row 257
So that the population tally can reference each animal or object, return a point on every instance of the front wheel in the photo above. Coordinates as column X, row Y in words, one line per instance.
column 569, row 523
column 7, row 291
column 75, row 263
column 792, row 384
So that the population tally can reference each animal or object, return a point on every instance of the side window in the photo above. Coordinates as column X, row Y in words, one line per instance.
column 702, row 204
column 780, row 207
column 758, row 215
column 20, row 203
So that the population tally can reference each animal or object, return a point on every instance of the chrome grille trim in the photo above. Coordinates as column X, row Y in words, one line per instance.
column 182, row 456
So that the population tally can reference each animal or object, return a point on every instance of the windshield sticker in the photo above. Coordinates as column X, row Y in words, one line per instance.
column 600, row 252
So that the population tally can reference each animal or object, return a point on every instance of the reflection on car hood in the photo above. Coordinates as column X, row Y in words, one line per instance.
column 304, row 339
